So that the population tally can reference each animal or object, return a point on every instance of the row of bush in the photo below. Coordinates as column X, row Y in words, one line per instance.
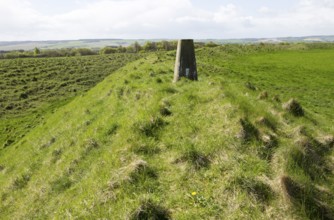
column 66, row 52
column 158, row 46
column 47, row 53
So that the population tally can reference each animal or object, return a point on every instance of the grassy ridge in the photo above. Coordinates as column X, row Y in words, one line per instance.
column 32, row 87
column 137, row 145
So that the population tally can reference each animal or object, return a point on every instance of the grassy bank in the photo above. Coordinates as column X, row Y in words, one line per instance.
column 31, row 88
column 137, row 145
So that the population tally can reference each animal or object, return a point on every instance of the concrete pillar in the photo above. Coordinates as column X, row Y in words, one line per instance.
column 185, row 63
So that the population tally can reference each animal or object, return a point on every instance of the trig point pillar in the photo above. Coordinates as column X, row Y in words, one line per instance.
column 185, row 63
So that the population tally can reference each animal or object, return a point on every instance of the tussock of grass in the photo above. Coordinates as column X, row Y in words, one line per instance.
column 49, row 143
column 71, row 169
column 150, row 210
column 8, row 143
column 151, row 127
column 112, row 129
column 305, row 198
column 270, row 142
column 248, row 131
column 250, row 86
column 140, row 170
column 56, row 154
column 170, row 90
column 256, row 189
column 266, row 122
column 276, row 98
column 263, row 95
column 61, row 184
column 197, row 159
column 294, row 107
column 90, row 144
column 307, row 160
column 327, row 141
column 164, row 111
column 20, row 181
column 137, row 175
column 158, row 80
column 165, row 108
column 149, row 147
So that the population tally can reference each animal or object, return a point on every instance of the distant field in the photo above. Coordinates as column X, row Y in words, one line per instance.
column 100, row 43
column 307, row 75
column 32, row 87
column 92, row 44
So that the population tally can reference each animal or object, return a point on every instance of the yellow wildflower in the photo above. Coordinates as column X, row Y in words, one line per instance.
column 194, row 193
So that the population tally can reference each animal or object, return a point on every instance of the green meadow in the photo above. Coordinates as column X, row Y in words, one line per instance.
column 125, row 142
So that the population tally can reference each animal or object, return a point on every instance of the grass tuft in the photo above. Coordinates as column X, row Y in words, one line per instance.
column 48, row 144
column 294, row 108
column 303, row 156
column 248, row 131
column 263, row 95
column 328, row 141
column 90, row 144
column 270, row 142
column 197, row 159
column 276, row 98
column 148, row 210
column 305, row 198
column 148, row 148
column 141, row 171
column 112, row 129
column 21, row 181
column 8, row 143
column 151, row 127
column 56, row 154
column 170, row 90
column 61, row 184
column 266, row 122
column 165, row 108
column 250, row 86
column 258, row 190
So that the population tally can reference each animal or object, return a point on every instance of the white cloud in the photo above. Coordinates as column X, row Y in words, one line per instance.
column 264, row 10
column 162, row 19
column 226, row 13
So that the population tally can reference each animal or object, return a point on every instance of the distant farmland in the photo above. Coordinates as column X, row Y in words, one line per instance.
column 100, row 43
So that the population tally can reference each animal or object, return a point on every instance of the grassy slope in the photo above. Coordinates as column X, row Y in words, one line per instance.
column 117, row 152
column 30, row 88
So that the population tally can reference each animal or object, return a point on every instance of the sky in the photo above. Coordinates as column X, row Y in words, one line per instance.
column 163, row 19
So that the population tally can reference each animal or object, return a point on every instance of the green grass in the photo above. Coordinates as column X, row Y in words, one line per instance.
column 138, row 146
column 304, row 74
column 30, row 88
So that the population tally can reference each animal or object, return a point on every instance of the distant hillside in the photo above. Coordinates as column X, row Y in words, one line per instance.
column 100, row 43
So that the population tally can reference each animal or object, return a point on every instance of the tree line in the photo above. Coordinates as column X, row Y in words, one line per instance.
column 160, row 46
column 69, row 52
